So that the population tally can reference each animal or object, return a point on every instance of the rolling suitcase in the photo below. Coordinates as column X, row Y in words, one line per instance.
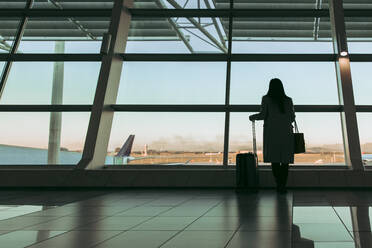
column 246, row 168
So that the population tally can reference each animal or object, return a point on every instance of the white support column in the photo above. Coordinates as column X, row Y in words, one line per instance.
column 345, row 87
column 55, row 124
column 99, row 129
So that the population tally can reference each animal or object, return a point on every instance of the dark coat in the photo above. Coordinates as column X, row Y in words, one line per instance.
column 278, row 143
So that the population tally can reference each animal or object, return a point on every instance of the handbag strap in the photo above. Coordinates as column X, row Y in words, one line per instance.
column 296, row 127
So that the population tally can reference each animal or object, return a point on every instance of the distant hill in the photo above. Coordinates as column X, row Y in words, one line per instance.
column 325, row 148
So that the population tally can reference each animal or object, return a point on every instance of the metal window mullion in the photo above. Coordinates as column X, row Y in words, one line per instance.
column 181, row 12
column 172, row 108
column 13, row 50
column 227, row 93
column 185, row 57
column 349, row 123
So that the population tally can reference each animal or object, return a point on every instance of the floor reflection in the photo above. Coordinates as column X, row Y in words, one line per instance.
column 189, row 218
column 10, row 211
column 300, row 242
column 341, row 220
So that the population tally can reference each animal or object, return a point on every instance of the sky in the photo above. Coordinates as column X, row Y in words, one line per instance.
column 179, row 83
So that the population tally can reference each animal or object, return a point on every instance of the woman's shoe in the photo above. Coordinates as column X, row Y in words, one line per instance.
column 281, row 189
column 278, row 189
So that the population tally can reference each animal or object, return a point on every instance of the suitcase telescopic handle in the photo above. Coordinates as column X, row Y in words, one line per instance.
column 254, row 141
column 254, row 137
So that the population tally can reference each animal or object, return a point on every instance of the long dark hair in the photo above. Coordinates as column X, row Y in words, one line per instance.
column 276, row 93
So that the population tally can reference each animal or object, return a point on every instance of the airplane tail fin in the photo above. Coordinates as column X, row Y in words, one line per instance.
column 126, row 149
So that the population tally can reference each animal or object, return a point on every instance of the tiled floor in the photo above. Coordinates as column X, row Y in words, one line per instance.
column 185, row 218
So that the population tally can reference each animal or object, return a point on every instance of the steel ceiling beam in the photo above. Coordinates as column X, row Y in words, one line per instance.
column 75, row 22
column 200, row 27
column 172, row 108
column 181, row 35
column 185, row 57
column 222, row 39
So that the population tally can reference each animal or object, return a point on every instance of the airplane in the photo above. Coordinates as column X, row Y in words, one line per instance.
column 367, row 159
column 123, row 156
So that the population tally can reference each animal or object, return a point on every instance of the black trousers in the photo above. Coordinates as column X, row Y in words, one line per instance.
column 280, row 172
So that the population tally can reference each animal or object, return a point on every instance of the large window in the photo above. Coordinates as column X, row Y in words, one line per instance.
column 177, row 35
column 32, row 83
column 172, row 83
column 306, row 82
column 283, row 35
column 27, row 138
column 78, row 35
column 362, row 84
column 364, row 125
column 322, row 131
column 192, row 73
column 359, row 34
column 167, row 138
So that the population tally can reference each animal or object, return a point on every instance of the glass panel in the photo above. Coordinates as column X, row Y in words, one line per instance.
column 181, row 4
column 74, row 35
column 68, row 4
column 360, row 47
column 275, row 4
column 361, row 75
column 2, row 63
column 312, row 82
column 365, row 136
column 359, row 34
column 176, row 35
column 172, row 83
column 32, row 82
column 8, row 31
column 281, row 35
column 322, row 131
column 12, row 4
column 24, row 138
column 167, row 138
column 357, row 4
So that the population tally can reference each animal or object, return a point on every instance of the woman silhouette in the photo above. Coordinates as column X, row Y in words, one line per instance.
column 278, row 144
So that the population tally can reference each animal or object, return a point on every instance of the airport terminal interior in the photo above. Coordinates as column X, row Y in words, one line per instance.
column 121, row 122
